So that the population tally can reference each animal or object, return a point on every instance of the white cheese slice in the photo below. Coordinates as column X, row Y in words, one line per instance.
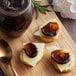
column 38, row 33
column 34, row 61
column 52, row 48
column 66, row 66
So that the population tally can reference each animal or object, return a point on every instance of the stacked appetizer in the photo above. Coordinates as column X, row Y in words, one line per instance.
column 62, row 59
column 49, row 31
column 32, row 53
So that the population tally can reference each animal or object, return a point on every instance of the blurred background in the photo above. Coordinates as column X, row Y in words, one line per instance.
column 70, row 26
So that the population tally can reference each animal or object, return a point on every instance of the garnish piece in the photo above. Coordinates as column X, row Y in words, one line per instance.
column 40, row 8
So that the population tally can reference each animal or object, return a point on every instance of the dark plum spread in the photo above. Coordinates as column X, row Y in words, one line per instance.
column 13, row 5
column 30, row 50
column 60, row 56
column 50, row 29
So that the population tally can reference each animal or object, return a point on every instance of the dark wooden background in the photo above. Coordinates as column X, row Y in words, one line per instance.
column 70, row 26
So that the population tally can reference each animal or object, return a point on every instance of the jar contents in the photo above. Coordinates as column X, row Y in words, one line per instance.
column 15, row 16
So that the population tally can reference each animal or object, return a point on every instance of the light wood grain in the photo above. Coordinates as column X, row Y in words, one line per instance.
column 44, row 67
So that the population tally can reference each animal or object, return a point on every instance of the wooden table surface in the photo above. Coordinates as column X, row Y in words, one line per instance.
column 70, row 25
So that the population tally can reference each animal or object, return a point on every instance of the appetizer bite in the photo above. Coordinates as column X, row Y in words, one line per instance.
column 49, row 31
column 62, row 60
column 32, row 53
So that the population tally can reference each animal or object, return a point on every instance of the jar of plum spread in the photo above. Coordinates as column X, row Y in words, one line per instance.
column 15, row 16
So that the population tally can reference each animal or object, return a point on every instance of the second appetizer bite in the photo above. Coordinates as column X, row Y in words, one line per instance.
column 62, row 60
column 49, row 31
column 32, row 53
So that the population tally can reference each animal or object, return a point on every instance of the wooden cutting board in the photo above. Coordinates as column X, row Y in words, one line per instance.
column 44, row 67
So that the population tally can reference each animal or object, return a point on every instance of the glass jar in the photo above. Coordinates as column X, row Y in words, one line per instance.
column 15, row 16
